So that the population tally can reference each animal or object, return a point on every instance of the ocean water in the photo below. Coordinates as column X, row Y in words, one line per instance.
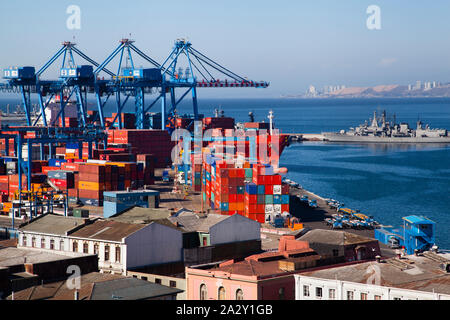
column 386, row 181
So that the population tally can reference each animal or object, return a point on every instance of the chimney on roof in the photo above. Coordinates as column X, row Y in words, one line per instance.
column 435, row 249
column 76, row 295
column 378, row 258
column 128, row 189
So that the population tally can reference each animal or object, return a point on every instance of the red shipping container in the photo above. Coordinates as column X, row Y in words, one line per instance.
column 276, row 179
column 268, row 189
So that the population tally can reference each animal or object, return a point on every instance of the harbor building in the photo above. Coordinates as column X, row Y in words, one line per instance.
column 118, row 245
column 413, row 277
column 331, row 243
column 215, row 237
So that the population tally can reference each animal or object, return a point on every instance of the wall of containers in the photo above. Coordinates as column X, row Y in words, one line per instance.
column 129, row 161
column 234, row 184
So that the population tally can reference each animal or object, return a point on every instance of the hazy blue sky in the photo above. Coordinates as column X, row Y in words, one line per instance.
column 292, row 44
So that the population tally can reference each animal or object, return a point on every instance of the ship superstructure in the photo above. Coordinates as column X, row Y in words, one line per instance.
column 382, row 130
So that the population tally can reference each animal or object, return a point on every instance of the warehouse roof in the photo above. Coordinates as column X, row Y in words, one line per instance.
column 107, row 230
column 333, row 237
column 264, row 264
column 201, row 223
column 52, row 224
column 130, row 289
column 141, row 215
column 18, row 256
column 60, row 291
column 422, row 274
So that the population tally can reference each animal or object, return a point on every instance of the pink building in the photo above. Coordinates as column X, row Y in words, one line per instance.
column 265, row 276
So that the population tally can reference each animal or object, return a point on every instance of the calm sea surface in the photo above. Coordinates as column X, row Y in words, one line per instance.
column 386, row 181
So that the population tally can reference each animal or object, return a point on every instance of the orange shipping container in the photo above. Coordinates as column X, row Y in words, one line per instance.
column 94, row 186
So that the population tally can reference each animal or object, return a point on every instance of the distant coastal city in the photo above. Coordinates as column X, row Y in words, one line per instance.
column 418, row 89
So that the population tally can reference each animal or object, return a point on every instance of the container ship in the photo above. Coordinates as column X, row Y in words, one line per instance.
column 382, row 131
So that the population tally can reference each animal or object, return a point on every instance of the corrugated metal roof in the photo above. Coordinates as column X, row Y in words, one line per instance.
column 192, row 222
column 17, row 256
column 141, row 215
column 107, row 230
column 333, row 237
column 60, row 291
column 418, row 220
column 425, row 275
column 52, row 224
column 130, row 289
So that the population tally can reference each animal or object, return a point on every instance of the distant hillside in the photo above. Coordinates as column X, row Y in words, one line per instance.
column 387, row 91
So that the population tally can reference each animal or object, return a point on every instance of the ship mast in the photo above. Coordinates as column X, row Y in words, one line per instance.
column 270, row 116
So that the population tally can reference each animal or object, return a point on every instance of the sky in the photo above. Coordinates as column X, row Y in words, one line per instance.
column 291, row 44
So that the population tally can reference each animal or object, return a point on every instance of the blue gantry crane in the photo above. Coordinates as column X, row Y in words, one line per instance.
column 199, row 72
column 127, row 82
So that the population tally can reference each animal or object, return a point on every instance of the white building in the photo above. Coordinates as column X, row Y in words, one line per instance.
column 48, row 232
column 123, row 246
column 119, row 246
column 411, row 278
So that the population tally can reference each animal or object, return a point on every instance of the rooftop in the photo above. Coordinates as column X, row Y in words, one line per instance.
column 265, row 264
column 333, row 237
column 423, row 274
column 192, row 222
column 140, row 215
column 52, row 224
column 59, row 291
column 418, row 220
column 107, row 230
column 130, row 289
column 135, row 192
column 18, row 256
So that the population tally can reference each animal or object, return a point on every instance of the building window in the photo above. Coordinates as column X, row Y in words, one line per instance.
column 85, row 247
column 157, row 281
column 221, row 293
column 306, row 291
column 332, row 294
column 281, row 293
column 173, row 284
column 96, row 248
column 106, row 253
column 203, row 292
column 144, row 278
column 239, row 294
column 52, row 244
column 61, row 245
column 349, row 295
column 377, row 297
column 363, row 296
column 75, row 246
column 42, row 243
column 25, row 241
column 118, row 254
column 397, row 298
column 33, row 242
column 318, row 292
column 335, row 252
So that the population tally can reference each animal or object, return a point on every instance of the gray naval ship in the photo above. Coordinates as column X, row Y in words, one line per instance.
column 380, row 130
